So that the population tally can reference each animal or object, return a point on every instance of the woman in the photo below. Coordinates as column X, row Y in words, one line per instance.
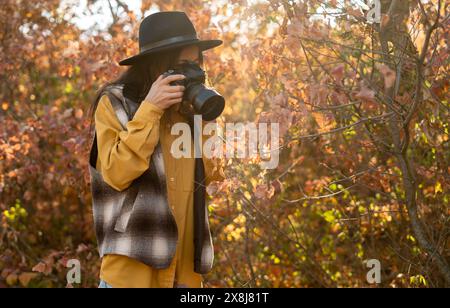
column 143, row 198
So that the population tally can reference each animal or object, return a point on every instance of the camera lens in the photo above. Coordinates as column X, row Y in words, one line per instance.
column 208, row 103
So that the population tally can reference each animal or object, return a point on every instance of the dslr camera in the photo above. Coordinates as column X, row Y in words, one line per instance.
column 204, row 100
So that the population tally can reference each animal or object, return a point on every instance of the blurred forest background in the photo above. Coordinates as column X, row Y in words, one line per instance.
column 364, row 161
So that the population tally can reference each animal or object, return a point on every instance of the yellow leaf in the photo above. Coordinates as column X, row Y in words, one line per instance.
column 25, row 278
column 438, row 188
column 11, row 279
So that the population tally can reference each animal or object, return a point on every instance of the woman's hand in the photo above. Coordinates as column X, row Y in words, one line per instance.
column 162, row 94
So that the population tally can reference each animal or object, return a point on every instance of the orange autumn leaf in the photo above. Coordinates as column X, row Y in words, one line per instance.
column 388, row 74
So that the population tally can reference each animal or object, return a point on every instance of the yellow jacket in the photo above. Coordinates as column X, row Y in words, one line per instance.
column 122, row 157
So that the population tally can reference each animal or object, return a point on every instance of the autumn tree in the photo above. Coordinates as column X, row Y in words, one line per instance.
column 364, row 149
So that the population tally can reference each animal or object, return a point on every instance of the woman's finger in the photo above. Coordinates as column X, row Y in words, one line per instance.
column 172, row 89
column 172, row 78
column 159, row 78
column 174, row 95
column 174, row 101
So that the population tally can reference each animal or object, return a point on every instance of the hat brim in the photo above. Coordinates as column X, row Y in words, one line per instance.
column 202, row 44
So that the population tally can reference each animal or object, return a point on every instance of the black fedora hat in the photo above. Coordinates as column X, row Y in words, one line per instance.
column 167, row 30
